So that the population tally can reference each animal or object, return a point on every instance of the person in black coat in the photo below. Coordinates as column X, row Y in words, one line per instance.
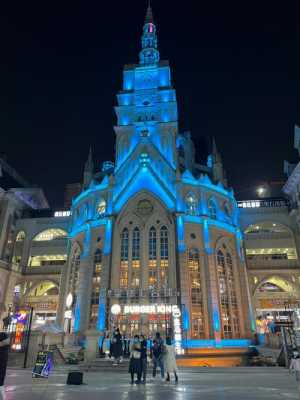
column 144, row 357
column 117, row 346
column 135, row 360
column 4, row 347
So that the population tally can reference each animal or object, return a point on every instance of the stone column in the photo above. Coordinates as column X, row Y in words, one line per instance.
column 83, row 303
column 212, row 285
column 25, row 252
column 63, row 287
column 248, row 321
column 182, row 278
column 92, row 347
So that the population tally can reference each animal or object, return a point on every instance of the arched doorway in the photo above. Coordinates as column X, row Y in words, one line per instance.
column 43, row 297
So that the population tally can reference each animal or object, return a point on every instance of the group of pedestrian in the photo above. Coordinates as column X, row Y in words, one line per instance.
column 162, row 356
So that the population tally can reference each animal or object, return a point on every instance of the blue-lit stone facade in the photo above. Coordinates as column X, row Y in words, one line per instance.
column 155, row 227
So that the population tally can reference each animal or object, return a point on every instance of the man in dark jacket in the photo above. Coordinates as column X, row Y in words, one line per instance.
column 4, row 346
column 157, row 354
column 117, row 346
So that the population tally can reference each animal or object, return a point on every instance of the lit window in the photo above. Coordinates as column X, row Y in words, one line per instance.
column 152, row 243
column 212, row 209
column 136, row 244
column 101, row 209
column 20, row 236
column 47, row 260
column 124, row 259
column 191, row 204
column 74, row 270
column 96, row 286
column 164, row 244
column 228, row 298
column 50, row 234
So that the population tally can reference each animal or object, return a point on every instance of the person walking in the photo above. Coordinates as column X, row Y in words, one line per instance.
column 106, row 346
column 157, row 354
column 295, row 365
column 4, row 347
column 170, row 360
column 135, row 360
column 144, row 357
column 117, row 347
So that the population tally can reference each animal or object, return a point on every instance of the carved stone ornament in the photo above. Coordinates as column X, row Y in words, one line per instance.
column 144, row 208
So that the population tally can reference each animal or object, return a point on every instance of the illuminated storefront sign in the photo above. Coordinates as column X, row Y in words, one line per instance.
column 68, row 314
column 153, row 309
column 69, row 300
column 62, row 214
column 20, row 319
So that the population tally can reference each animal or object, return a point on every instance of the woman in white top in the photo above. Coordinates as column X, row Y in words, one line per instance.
column 170, row 360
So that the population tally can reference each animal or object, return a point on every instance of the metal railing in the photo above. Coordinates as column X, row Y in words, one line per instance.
column 266, row 203
column 272, row 263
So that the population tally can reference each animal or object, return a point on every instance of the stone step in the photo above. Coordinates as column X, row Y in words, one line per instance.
column 104, row 364
column 66, row 351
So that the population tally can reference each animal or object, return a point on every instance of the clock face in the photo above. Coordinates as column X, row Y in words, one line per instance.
column 144, row 207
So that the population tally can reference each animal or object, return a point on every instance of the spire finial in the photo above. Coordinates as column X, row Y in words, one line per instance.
column 149, row 53
column 149, row 15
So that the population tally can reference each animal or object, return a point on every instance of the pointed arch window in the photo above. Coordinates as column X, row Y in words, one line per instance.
column 96, row 287
column 197, row 317
column 227, row 294
column 191, row 204
column 212, row 209
column 164, row 256
column 153, row 273
column 152, row 243
column 135, row 271
column 74, row 271
column 164, row 243
column 124, row 258
column 101, row 208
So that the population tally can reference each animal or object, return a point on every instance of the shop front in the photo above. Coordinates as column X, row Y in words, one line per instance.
column 148, row 319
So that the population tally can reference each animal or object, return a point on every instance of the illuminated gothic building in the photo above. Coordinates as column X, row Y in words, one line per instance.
column 155, row 236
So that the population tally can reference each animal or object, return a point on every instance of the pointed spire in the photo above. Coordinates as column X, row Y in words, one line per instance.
column 149, row 53
column 217, row 165
column 149, row 15
column 88, row 169
column 215, row 153
column 90, row 157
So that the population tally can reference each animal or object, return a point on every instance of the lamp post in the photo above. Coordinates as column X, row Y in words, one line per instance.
column 28, row 338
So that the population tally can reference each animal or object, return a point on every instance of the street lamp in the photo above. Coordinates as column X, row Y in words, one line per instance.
column 261, row 190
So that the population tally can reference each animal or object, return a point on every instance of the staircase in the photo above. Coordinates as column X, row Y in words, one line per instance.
column 102, row 364
column 66, row 351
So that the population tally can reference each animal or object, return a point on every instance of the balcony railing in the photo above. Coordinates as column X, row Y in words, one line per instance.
column 267, row 235
column 45, row 269
column 60, row 242
column 272, row 263
column 266, row 203
column 4, row 264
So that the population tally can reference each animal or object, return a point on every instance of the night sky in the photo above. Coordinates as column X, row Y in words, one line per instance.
column 235, row 66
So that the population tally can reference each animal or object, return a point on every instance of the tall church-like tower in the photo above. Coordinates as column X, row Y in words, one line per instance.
column 156, row 244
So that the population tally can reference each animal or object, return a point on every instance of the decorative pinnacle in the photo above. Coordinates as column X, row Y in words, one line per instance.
column 149, row 15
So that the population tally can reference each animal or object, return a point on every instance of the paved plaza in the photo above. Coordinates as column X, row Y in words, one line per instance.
column 202, row 383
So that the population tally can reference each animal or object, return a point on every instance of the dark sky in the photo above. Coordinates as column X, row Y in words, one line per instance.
column 235, row 65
